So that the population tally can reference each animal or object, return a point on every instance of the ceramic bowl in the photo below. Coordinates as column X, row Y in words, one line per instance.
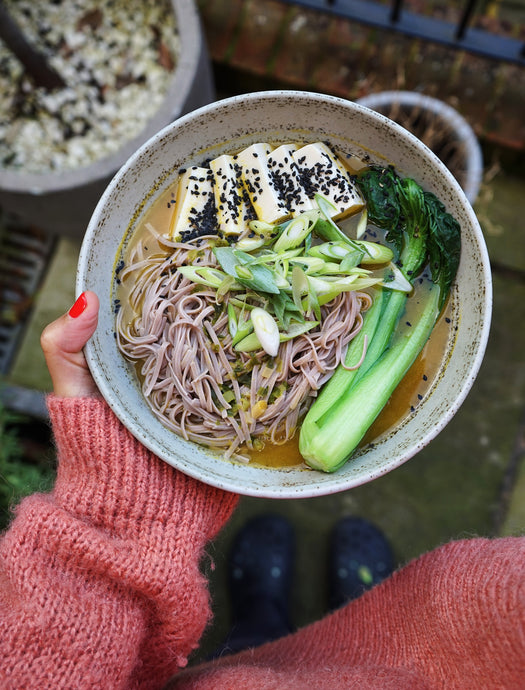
column 228, row 126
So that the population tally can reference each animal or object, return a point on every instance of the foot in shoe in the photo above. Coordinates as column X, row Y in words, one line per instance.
column 359, row 558
column 260, row 582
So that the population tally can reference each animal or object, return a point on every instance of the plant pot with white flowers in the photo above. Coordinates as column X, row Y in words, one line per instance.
column 83, row 84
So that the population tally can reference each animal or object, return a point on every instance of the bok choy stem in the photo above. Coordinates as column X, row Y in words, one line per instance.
column 325, row 443
column 422, row 232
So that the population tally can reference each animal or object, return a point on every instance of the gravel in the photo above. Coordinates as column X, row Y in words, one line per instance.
column 117, row 59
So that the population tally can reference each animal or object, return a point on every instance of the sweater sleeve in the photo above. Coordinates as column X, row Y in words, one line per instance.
column 453, row 618
column 100, row 584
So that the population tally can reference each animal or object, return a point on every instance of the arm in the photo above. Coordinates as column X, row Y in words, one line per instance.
column 100, row 582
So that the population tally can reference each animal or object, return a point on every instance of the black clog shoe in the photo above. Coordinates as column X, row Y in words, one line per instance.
column 260, row 572
column 359, row 557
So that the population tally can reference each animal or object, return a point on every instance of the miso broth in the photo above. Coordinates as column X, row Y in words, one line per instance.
column 412, row 389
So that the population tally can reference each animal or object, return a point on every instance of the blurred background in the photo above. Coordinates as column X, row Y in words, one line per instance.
column 457, row 70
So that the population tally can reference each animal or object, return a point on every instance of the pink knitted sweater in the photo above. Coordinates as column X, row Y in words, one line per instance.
column 100, row 588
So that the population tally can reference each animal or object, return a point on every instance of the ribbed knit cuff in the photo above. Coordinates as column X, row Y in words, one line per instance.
column 110, row 479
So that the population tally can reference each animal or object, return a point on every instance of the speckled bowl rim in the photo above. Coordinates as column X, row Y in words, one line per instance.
column 110, row 223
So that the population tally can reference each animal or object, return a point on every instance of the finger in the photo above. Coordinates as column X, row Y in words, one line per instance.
column 63, row 341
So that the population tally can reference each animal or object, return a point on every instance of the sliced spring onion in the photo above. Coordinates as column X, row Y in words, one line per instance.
column 243, row 272
column 296, row 329
column 330, row 250
column 312, row 264
column 267, row 256
column 204, row 275
column 300, row 286
column 240, row 326
column 251, row 342
column 352, row 259
column 321, row 286
column 250, row 244
column 359, row 284
column 262, row 228
column 326, row 227
column 266, row 330
column 225, row 287
column 361, row 225
column 295, row 232
column 232, row 321
column 355, row 252
column 375, row 253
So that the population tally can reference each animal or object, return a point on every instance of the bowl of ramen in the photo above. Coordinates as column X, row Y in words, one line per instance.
column 295, row 294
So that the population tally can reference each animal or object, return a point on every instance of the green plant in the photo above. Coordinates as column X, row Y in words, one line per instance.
column 19, row 476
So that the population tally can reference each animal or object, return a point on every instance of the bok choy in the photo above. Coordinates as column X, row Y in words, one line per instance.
column 422, row 232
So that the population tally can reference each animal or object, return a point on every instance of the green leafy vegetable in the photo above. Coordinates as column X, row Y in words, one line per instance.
column 416, row 223
column 238, row 264
column 326, row 442
column 422, row 232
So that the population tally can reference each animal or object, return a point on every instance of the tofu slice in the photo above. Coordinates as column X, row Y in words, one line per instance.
column 321, row 172
column 263, row 194
column 286, row 178
column 234, row 209
column 194, row 210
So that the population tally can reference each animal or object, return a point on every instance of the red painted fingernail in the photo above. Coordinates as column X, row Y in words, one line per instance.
column 79, row 306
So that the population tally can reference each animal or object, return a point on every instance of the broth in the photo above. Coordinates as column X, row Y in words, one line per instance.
column 412, row 389
column 409, row 393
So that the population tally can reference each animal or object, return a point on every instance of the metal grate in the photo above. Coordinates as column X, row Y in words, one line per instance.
column 24, row 254
column 460, row 35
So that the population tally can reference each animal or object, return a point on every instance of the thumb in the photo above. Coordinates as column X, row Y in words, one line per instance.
column 62, row 342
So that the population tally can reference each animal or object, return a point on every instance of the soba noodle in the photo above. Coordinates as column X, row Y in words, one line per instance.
column 194, row 380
